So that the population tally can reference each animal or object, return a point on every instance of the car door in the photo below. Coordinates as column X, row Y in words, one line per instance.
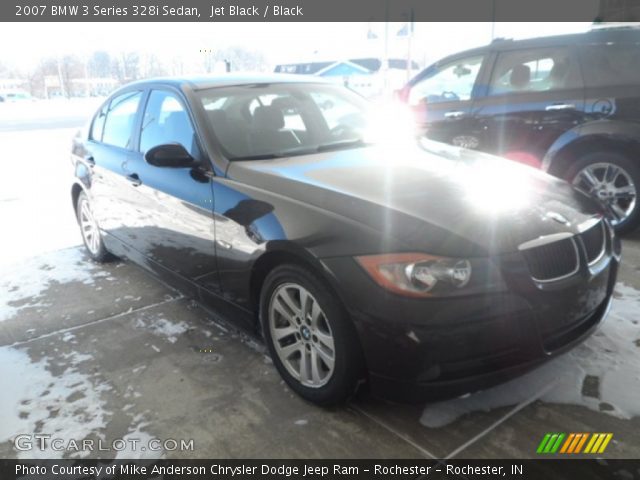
column 442, row 97
column 612, row 74
column 171, row 209
column 534, row 96
column 109, row 149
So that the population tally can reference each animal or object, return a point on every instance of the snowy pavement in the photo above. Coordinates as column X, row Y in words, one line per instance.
column 101, row 353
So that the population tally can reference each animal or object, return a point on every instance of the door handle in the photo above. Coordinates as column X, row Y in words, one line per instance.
column 560, row 106
column 454, row 114
column 134, row 179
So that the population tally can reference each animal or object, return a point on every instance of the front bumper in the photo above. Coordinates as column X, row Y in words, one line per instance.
column 429, row 349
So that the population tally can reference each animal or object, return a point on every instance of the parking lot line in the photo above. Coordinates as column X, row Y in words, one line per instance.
column 497, row 423
column 426, row 453
column 100, row 320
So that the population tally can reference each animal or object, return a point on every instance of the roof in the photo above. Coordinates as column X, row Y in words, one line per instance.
column 309, row 68
column 602, row 34
column 343, row 68
column 225, row 80
column 371, row 65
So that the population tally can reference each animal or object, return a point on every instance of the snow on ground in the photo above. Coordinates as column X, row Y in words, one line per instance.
column 54, row 396
column 67, row 405
column 35, row 194
column 137, row 436
column 160, row 326
column 603, row 374
column 24, row 284
column 32, row 111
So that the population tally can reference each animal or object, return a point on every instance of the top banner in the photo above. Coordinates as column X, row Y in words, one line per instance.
column 319, row 10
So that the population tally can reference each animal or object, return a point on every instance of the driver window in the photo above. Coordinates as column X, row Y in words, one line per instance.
column 166, row 121
column 452, row 82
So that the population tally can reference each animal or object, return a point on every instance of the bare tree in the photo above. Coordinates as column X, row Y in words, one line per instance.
column 125, row 67
column 99, row 65
column 71, row 68
column 47, row 67
column 4, row 71
column 243, row 59
column 151, row 66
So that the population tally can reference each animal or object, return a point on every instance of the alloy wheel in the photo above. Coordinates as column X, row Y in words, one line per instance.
column 89, row 228
column 301, row 335
column 612, row 185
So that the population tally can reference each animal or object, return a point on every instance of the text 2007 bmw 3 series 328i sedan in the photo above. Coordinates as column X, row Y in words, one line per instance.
column 424, row 270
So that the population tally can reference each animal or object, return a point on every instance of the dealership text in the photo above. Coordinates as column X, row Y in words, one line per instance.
column 46, row 442
column 215, row 469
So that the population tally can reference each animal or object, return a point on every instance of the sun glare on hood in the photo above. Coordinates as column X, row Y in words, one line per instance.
column 496, row 187
column 389, row 123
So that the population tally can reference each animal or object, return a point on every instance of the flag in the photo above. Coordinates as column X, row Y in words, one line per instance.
column 404, row 31
column 371, row 35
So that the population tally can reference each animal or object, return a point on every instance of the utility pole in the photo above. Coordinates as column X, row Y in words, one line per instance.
column 63, row 91
column 385, row 59
column 493, row 20
column 409, row 42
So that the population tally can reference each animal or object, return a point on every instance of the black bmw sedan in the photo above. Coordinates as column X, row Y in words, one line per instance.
column 289, row 206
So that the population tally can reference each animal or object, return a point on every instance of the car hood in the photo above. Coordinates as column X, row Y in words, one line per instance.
column 432, row 197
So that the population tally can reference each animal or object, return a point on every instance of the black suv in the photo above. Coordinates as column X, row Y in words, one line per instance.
column 569, row 104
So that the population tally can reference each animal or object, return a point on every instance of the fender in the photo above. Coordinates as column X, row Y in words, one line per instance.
column 610, row 130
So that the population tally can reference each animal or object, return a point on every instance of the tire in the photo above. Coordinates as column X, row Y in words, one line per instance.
column 624, row 211
column 325, row 318
column 91, row 235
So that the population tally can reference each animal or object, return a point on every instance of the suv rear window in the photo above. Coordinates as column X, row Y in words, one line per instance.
column 611, row 64
column 535, row 70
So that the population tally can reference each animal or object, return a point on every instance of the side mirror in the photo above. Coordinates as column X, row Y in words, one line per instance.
column 172, row 155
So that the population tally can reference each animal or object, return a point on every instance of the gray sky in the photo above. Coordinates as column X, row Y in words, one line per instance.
column 280, row 42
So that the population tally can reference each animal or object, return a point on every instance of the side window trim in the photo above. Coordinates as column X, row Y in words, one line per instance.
column 142, row 108
column 99, row 113
column 481, row 87
column 135, row 121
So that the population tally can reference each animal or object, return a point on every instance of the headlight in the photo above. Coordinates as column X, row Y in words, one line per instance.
column 422, row 275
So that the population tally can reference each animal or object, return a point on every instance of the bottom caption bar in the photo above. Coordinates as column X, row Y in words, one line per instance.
column 547, row 469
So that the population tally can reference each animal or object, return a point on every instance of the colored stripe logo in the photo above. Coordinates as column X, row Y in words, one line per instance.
column 574, row 443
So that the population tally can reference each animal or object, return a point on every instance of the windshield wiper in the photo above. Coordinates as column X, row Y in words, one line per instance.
column 342, row 144
column 261, row 156
column 352, row 143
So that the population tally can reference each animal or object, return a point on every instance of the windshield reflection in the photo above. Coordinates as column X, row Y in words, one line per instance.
column 257, row 122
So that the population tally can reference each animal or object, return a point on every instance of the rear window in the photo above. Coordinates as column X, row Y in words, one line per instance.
column 611, row 64
column 534, row 70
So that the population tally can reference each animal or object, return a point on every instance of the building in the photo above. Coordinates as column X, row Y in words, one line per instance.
column 12, row 84
column 367, row 76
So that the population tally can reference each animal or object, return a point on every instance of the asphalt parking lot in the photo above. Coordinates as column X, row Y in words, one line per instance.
column 108, row 352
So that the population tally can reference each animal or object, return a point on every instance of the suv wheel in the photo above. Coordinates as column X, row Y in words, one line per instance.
column 90, row 231
column 615, row 181
column 312, row 342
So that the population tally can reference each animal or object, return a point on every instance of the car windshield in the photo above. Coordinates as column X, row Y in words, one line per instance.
column 283, row 119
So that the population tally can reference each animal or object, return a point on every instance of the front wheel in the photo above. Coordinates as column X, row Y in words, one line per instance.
column 614, row 180
column 91, row 236
column 312, row 341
